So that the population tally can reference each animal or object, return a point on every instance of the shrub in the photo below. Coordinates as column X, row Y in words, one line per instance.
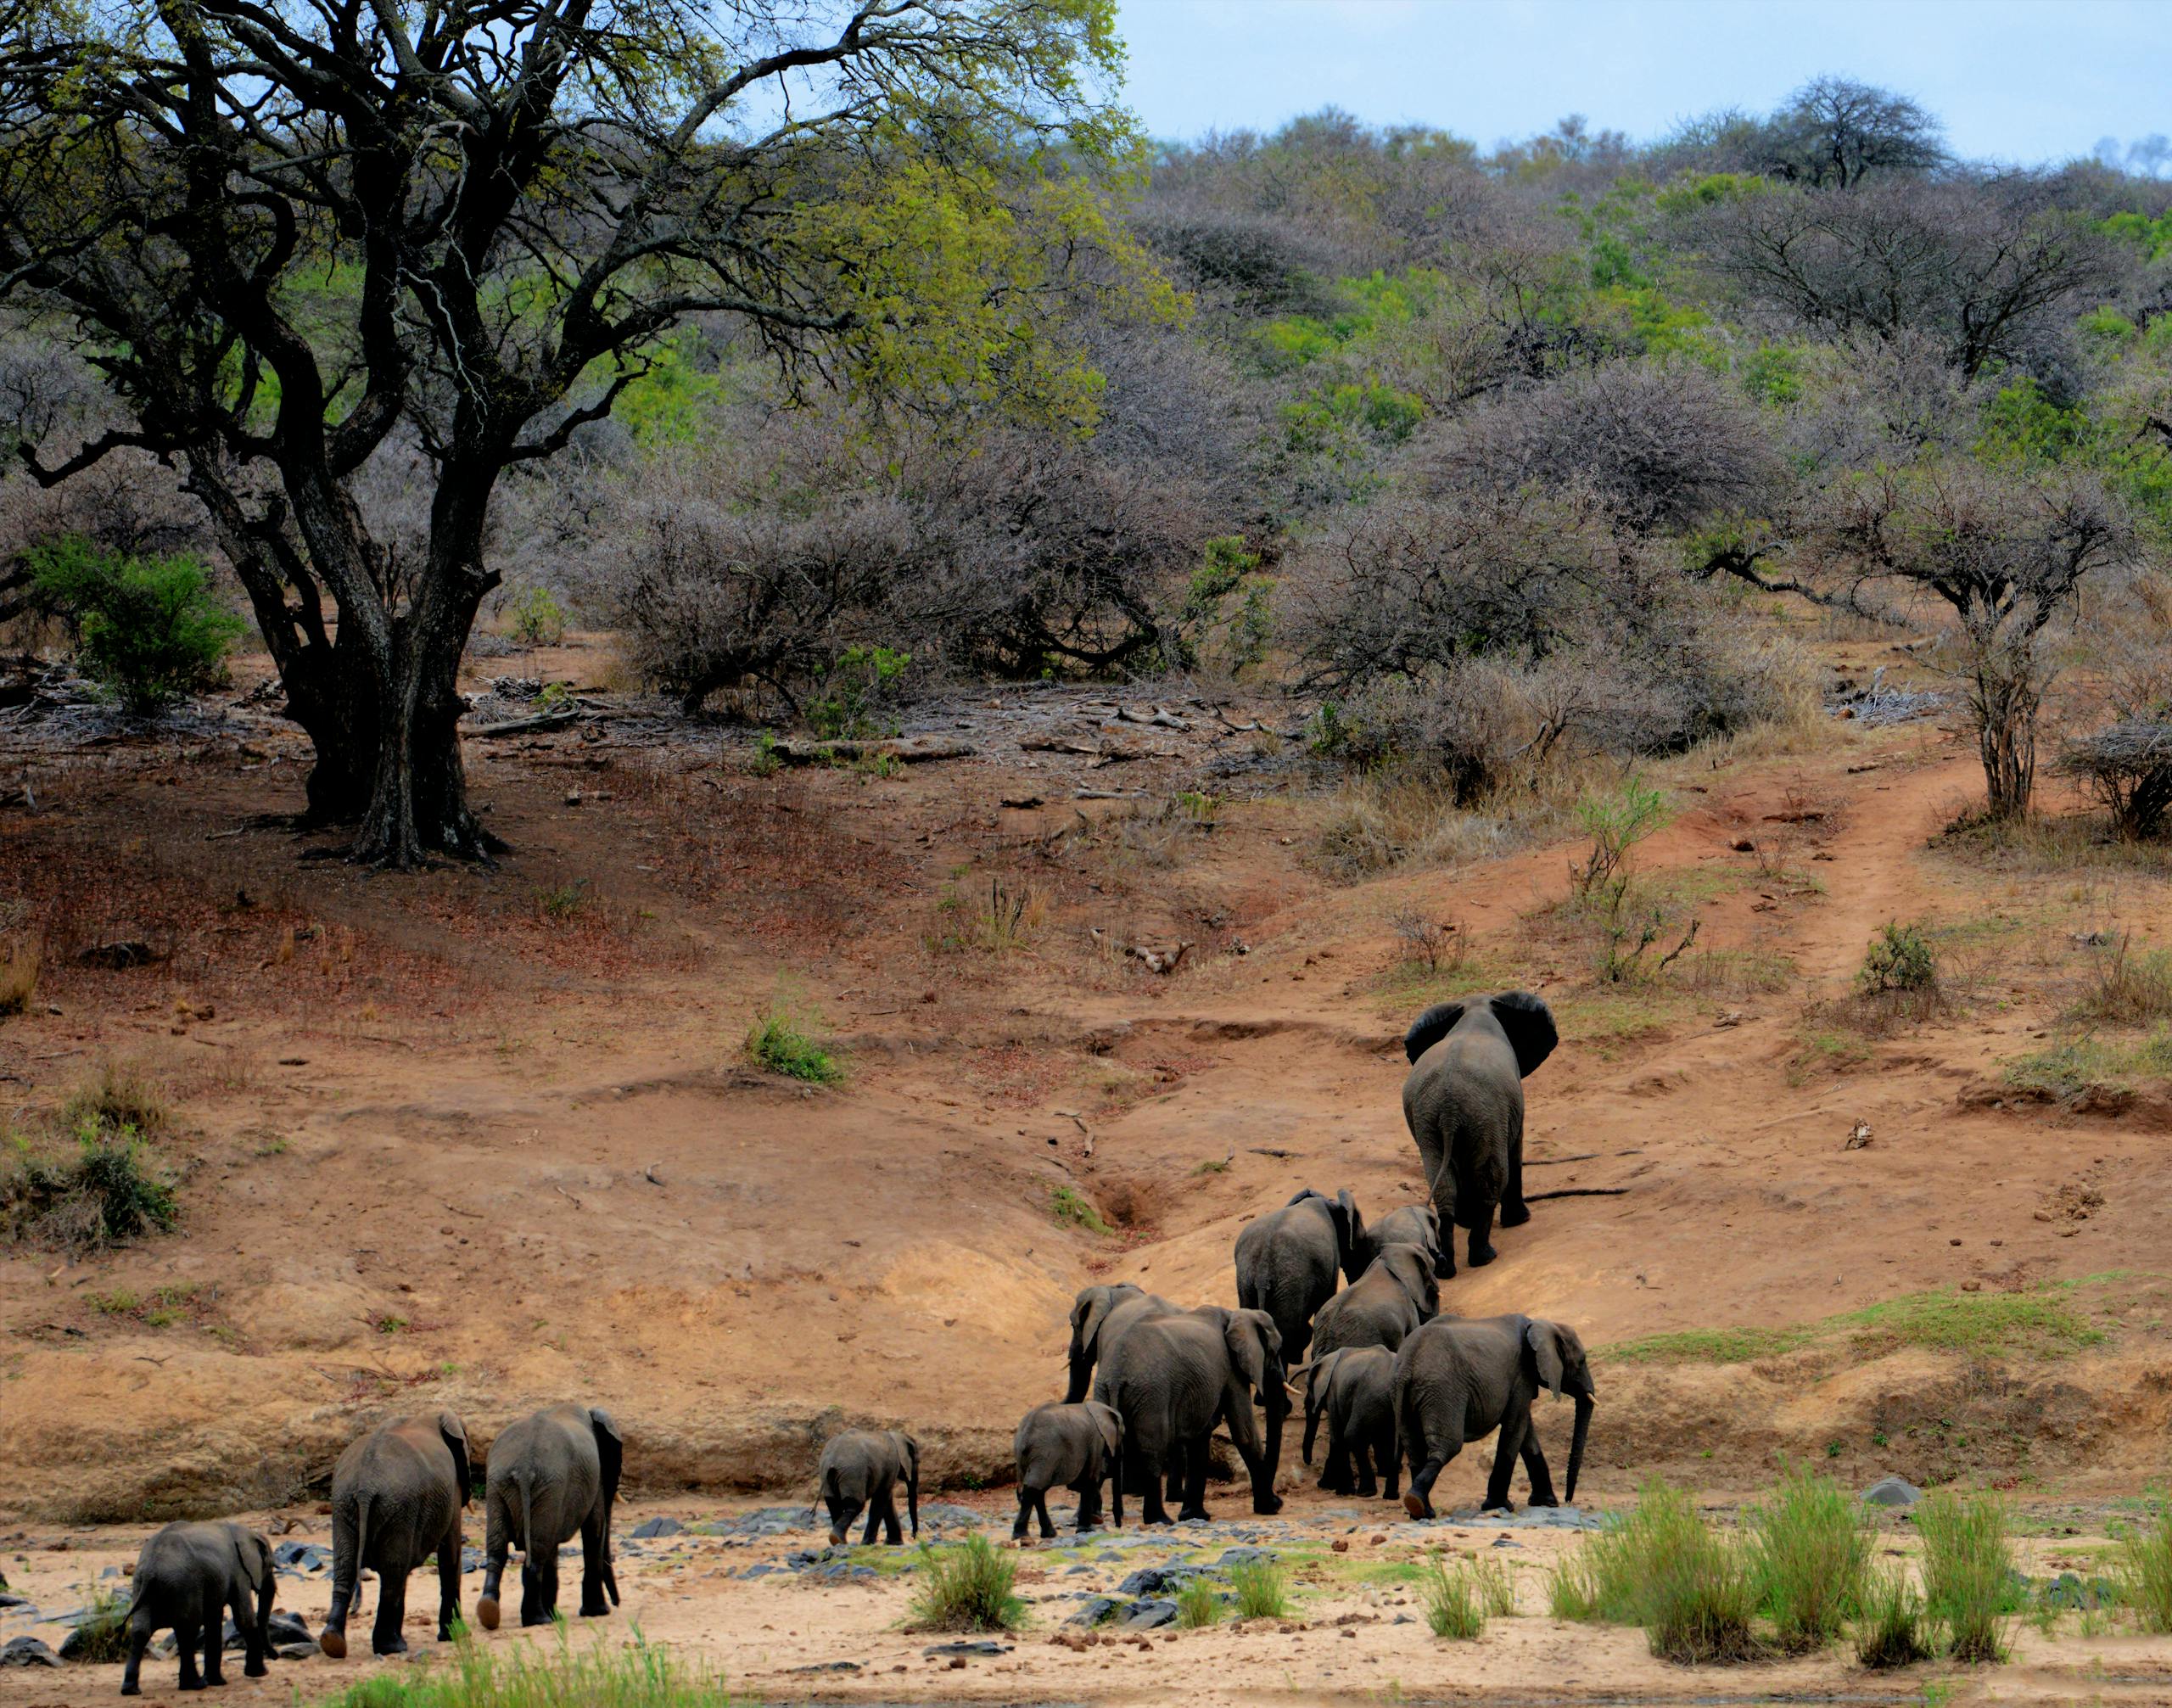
column 1664, row 1568
column 641, row 1675
column 1199, row 1603
column 1969, row 1581
column 1261, row 1589
column 777, row 1042
column 1888, row 1629
column 1899, row 960
column 1616, row 822
column 110, row 1190
column 148, row 628
column 856, row 686
column 967, row 1587
column 1070, row 1207
column 1809, row 1550
column 18, row 970
column 2143, row 1566
column 538, row 618
column 101, row 1638
column 2125, row 989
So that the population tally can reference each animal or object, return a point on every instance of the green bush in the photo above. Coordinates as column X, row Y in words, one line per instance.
column 150, row 630
column 967, row 1587
column 1261, row 1589
column 1809, row 1549
column 856, row 686
column 538, row 618
column 1888, row 1629
column 1664, row 1568
column 778, row 1043
column 1459, row 1599
column 1970, row 1586
column 110, row 1190
column 2143, row 1565
column 598, row 1676
column 1073, row 1207
column 1199, row 1604
column 102, row 1636
column 1900, row 958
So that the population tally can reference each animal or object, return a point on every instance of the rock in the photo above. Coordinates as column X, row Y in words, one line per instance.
column 293, row 1651
column 760, row 1569
column 1097, row 1610
column 2067, row 1591
column 981, row 1646
column 1892, row 1491
column 1245, row 1556
column 289, row 1627
column 1149, row 1616
column 1153, row 1580
column 1506, row 1542
column 118, row 955
column 949, row 1515
column 13, row 1601
column 658, row 1526
column 306, row 1556
column 26, row 1651
column 828, row 1666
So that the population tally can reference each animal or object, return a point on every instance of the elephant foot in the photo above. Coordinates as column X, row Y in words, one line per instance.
column 1417, row 1506
column 190, row 1684
column 131, row 1690
column 397, row 1646
column 1542, row 1500
column 332, row 1642
column 1266, row 1505
column 1185, row 1514
column 256, row 1669
column 837, row 1539
column 1479, row 1260
column 530, row 1621
column 1367, row 1489
column 1514, row 1215
column 1445, row 1270
column 486, row 1613
column 1497, row 1506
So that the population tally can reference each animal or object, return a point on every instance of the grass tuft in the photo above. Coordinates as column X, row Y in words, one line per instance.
column 1199, row 1604
column 1458, row 1599
column 110, row 1190
column 119, row 1097
column 778, row 1043
column 1663, row 1567
column 641, row 1675
column 1071, row 1207
column 967, row 1587
column 2143, row 1567
column 1809, row 1550
column 1970, row 1586
column 1261, row 1588
column 20, row 960
column 2125, row 989
column 1888, row 1629
column 102, row 1636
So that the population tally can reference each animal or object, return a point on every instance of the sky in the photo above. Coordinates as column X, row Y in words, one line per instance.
column 2022, row 82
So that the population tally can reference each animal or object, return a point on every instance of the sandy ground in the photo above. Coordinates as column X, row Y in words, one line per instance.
column 483, row 1139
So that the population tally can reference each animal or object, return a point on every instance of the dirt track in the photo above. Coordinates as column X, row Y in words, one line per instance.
column 447, row 1150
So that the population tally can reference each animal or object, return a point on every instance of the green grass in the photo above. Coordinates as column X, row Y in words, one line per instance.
column 595, row 1676
column 110, row 1189
column 2142, row 1564
column 1663, row 1567
column 968, row 1587
column 778, row 1043
column 1074, row 1209
column 103, row 1636
column 1459, row 1599
column 118, row 1097
column 2075, row 1066
column 1199, row 1604
column 1809, row 1550
column 1970, row 1588
column 1261, row 1588
column 2044, row 1322
column 1889, row 1629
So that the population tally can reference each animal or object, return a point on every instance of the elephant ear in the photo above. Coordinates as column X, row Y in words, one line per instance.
column 1545, row 1342
column 1349, row 1225
column 1247, row 1349
column 1090, row 1311
column 1308, row 1193
column 1408, row 1264
column 456, row 1440
column 1529, row 1023
column 610, row 1449
column 1111, row 1425
column 1429, row 1027
column 255, row 1554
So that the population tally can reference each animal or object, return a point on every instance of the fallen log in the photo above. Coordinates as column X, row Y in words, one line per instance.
column 1577, row 1192
column 522, row 726
column 908, row 750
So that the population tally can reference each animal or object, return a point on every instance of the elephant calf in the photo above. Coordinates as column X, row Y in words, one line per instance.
column 1068, row 1446
column 1391, row 1299
column 1456, row 1379
column 397, row 1495
column 554, row 1475
column 1355, row 1390
column 862, row 1468
column 187, row 1577
column 1409, row 1225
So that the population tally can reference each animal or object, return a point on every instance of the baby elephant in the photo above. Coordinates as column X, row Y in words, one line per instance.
column 187, row 1577
column 861, row 1469
column 553, row 1476
column 1069, row 1445
column 1355, row 1389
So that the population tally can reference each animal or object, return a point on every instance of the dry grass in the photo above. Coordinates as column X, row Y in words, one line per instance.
column 2125, row 987
column 21, row 958
column 1377, row 822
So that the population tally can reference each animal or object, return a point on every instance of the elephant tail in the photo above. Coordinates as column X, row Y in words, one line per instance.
column 527, row 1519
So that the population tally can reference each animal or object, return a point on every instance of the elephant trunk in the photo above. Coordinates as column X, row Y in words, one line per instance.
column 1577, row 1446
column 912, row 1499
column 1082, row 1375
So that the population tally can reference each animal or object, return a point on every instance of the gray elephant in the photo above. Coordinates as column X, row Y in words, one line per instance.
column 187, row 1577
column 1068, row 1446
column 1397, row 1293
column 1457, row 1379
column 1464, row 1102
column 1410, row 1224
column 553, row 1475
column 862, row 1468
column 1098, row 1316
column 397, row 1495
column 1354, row 1389
column 1287, row 1262
column 1172, row 1379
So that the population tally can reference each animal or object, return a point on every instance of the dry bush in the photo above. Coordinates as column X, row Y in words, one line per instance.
column 20, row 959
column 1381, row 820
column 2126, row 987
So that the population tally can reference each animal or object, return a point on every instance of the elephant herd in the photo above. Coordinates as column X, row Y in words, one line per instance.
column 1353, row 1311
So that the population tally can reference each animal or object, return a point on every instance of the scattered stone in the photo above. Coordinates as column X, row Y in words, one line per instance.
column 1506, row 1542
column 26, row 1651
column 8, row 1602
column 308, row 1556
column 658, row 1526
column 1097, row 1610
column 760, row 1569
column 981, row 1646
column 829, row 1667
column 1245, row 1556
column 1340, row 1544
column 119, row 956
column 1149, row 1616
column 1892, row 1491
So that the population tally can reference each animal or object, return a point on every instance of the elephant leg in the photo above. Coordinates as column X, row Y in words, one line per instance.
column 1515, row 1212
column 497, row 1544
column 215, row 1648
column 1362, row 1453
column 874, row 1524
column 256, row 1650
column 843, row 1511
column 139, row 1639
column 595, row 1549
column 1390, row 1460
column 1541, row 1479
column 1176, row 1472
column 1418, row 1498
column 1335, row 1475
column 891, row 1532
column 1444, row 1200
column 1148, row 1467
column 187, row 1636
column 1481, row 1252
column 1088, row 1487
column 1506, row 1447
column 1312, row 1433
column 1195, row 1453
column 543, row 1564
column 1025, row 1512
column 385, row 1637
column 1048, row 1523
column 531, row 1591
column 449, row 1552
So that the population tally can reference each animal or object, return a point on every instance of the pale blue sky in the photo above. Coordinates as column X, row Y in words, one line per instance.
column 2024, row 80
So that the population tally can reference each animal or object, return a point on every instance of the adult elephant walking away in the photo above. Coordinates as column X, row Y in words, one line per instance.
column 1174, row 1379
column 1395, row 1294
column 397, row 1495
column 862, row 1468
column 1464, row 1101
column 1458, row 1379
column 1098, row 1315
column 1288, row 1263
column 553, row 1475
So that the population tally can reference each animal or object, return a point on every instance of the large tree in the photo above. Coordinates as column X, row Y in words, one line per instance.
column 298, row 235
